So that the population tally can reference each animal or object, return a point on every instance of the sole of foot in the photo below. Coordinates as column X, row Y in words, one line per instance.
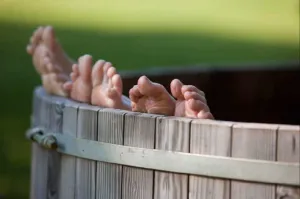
column 190, row 101
column 150, row 97
column 80, row 85
column 49, row 60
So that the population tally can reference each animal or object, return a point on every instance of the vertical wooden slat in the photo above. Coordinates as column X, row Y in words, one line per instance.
column 39, row 186
column 86, row 169
column 36, row 107
column 68, row 163
column 253, row 141
column 35, row 151
column 56, row 119
column 210, row 138
column 172, row 134
column 47, row 116
column 288, row 150
column 109, row 176
column 139, row 132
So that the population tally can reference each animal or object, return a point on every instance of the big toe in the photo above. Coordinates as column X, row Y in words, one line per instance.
column 176, row 86
column 150, row 88
column 97, row 73
column 117, row 83
column 135, row 94
column 48, row 37
column 85, row 67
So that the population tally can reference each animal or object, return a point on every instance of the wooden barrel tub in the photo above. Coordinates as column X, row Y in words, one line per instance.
column 251, row 151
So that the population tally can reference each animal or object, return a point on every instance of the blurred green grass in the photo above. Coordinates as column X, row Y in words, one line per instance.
column 132, row 35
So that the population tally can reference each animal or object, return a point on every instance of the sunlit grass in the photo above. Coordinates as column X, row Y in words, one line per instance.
column 267, row 21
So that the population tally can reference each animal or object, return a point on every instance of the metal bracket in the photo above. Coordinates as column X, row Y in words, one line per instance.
column 38, row 135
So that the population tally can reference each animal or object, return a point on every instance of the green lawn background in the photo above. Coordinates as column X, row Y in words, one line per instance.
column 133, row 35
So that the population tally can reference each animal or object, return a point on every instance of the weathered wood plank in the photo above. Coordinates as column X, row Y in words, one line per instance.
column 40, row 165
column 67, row 178
column 210, row 138
column 139, row 132
column 288, row 150
column 86, row 169
column 37, row 105
column 172, row 134
column 56, row 106
column 253, row 141
column 109, row 176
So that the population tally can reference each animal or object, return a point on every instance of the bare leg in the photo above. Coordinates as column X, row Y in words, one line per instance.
column 151, row 97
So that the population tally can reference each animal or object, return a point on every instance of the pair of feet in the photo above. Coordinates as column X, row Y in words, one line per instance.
column 101, row 85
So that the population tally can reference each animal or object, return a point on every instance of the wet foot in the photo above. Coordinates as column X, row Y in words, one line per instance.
column 80, row 86
column 107, row 87
column 150, row 97
column 190, row 101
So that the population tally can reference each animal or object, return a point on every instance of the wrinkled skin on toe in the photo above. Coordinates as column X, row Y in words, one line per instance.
column 191, row 101
column 149, row 97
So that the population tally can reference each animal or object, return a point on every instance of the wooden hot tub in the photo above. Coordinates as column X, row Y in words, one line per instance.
column 104, row 153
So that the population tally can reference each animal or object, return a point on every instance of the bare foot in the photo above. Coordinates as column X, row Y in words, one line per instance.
column 47, row 51
column 80, row 86
column 107, row 87
column 190, row 102
column 49, row 60
column 53, row 84
column 151, row 97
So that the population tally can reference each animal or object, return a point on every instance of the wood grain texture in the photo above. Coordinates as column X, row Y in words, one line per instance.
column 288, row 150
column 139, row 132
column 39, row 166
column 86, row 169
column 67, row 178
column 109, row 176
column 253, row 141
column 53, row 176
column 172, row 134
column 56, row 107
column 37, row 105
column 210, row 138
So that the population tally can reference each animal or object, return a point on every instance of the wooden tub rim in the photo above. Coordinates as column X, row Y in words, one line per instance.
column 232, row 168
